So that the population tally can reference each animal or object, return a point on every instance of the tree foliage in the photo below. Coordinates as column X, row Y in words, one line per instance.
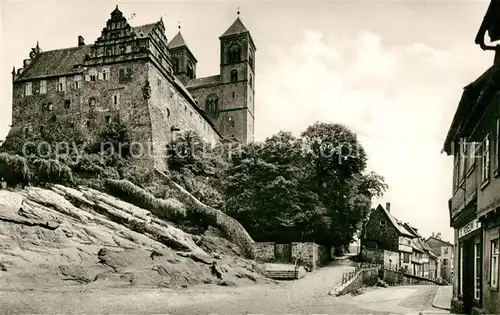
column 310, row 188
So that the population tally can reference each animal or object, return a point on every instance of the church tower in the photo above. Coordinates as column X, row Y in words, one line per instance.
column 183, row 60
column 237, row 77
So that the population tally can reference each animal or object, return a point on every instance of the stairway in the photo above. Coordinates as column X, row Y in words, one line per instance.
column 282, row 274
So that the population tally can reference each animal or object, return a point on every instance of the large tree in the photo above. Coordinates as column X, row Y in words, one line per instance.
column 311, row 188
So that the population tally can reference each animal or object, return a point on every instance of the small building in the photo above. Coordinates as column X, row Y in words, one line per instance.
column 383, row 233
column 444, row 251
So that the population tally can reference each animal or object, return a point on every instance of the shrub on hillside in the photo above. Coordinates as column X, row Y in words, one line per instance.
column 138, row 175
column 51, row 171
column 167, row 209
column 14, row 169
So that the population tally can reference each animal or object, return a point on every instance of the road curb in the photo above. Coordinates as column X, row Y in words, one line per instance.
column 434, row 304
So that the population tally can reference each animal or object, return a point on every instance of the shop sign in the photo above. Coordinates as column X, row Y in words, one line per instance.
column 469, row 228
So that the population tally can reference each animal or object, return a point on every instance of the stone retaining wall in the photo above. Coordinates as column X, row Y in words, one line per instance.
column 364, row 277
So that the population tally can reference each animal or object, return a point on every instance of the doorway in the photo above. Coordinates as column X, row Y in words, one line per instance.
column 468, row 275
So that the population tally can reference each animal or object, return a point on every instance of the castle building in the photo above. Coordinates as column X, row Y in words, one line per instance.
column 132, row 73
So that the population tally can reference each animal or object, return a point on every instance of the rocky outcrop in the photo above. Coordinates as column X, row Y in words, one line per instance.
column 233, row 230
column 52, row 237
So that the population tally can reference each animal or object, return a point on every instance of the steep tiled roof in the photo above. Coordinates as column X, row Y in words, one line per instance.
column 236, row 28
column 415, row 244
column 143, row 30
column 177, row 41
column 440, row 240
column 199, row 82
column 396, row 224
column 55, row 62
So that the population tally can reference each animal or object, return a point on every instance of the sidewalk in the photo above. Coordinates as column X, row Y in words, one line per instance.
column 442, row 300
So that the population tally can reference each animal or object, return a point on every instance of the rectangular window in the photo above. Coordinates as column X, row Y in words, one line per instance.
column 107, row 119
column 92, row 75
column 445, row 262
column 67, row 104
column 105, row 74
column 28, row 89
column 463, row 158
column 461, row 270
column 485, row 159
column 43, row 87
column 382, row 223
column 61, row 85
column 78, row 81
column 477, row 271
column 495, row 250
column 406, row 257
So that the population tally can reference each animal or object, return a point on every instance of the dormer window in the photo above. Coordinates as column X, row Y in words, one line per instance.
column 382, row 223
column 92, row 75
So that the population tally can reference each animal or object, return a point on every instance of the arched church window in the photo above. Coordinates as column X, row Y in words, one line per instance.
column 190, row 71
column 175, row 63
column 233, row 54
column 211, row 103
column 234, row 75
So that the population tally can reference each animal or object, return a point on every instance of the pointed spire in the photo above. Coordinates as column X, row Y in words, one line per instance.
column 236, row 28
column 177, row 41
column 13, row 70
column 116, row 12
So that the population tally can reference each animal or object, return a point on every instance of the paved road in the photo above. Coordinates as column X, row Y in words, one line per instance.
column 308, row 295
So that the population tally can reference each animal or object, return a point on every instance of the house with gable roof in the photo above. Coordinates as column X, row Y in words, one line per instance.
column 385, row 239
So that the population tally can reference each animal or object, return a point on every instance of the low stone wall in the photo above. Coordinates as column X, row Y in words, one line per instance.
column 373, row 255
column 310, row 255
column 392, row 277
column 364, row 277
column 264, row 251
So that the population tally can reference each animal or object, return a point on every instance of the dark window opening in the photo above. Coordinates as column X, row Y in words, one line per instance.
column 234, row 76
column 125, row 75
column 382, row 223
column 72, row 125
column 44, row 106
column 168, row 112
column 88, row 124
column 175, row 64
column 233, row 54
column 190, row 71
column 115, row 99
column 67, row 104
column 233, row 95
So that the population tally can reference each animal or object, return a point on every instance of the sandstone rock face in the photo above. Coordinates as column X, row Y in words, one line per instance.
column 60, row 236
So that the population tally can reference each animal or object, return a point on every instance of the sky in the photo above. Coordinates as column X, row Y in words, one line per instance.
column 392, row 71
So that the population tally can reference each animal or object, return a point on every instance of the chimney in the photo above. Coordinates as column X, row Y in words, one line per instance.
column 388, row 206
column 438, row 235
column 432, row 234
column 81, row 41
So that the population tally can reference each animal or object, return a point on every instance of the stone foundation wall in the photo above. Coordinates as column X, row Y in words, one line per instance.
column 264, row 251
column 365, row 277
column 310, row 254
